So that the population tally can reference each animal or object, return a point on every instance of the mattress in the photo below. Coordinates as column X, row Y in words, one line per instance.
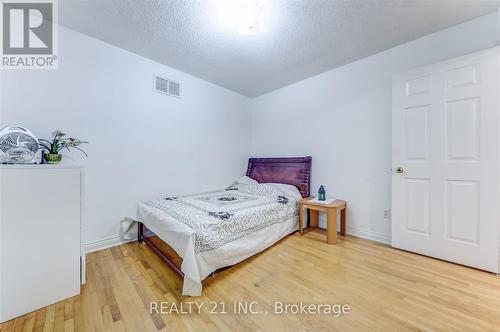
column 221, row 228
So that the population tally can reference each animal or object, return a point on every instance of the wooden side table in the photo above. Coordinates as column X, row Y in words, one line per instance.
column 331, row 210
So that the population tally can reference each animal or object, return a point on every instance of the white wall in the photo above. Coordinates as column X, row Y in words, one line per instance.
column 498, row 43
column 342, row 118
column 143, row 144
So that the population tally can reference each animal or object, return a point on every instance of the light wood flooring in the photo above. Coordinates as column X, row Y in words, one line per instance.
column 387, row 290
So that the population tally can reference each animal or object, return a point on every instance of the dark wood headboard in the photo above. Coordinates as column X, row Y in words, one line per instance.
column 294, row 171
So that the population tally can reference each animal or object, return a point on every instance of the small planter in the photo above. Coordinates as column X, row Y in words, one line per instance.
column 59, row 142
column 53, row 158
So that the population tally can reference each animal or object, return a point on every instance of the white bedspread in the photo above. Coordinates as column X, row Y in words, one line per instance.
column 221, row 228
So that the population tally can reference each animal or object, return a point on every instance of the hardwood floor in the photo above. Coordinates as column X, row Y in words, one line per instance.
column 386, row 289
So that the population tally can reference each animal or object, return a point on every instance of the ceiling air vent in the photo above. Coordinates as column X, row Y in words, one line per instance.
column 166, row 86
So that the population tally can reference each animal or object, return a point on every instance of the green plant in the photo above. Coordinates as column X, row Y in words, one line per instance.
column 59, row 142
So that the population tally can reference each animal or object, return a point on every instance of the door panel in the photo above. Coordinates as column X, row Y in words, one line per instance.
column 445, row 136
column 462, row 126
column 462, row 211
column 418, row 86
column 418, row 198
column 417, row 132
column 462, row 77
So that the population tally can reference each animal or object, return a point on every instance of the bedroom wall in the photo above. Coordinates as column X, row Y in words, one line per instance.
column 143, row 144
column 342, row 118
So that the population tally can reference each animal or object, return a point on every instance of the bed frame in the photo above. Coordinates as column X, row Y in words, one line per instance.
column 295, row 171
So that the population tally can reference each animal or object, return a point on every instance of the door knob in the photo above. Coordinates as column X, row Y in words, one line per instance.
column 399, row 170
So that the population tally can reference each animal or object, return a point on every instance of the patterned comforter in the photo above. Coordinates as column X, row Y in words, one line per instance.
column 220, row 217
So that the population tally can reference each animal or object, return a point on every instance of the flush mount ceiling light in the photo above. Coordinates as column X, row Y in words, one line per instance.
column 247, row 17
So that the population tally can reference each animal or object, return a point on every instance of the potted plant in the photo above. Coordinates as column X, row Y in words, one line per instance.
column 59, row 142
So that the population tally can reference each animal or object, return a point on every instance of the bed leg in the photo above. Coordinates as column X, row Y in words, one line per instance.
column 308, row 219
column 140, row 234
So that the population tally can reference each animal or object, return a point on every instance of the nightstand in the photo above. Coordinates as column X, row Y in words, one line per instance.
column 331, row 210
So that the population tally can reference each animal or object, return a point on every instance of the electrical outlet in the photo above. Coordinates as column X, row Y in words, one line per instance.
column 387, row 214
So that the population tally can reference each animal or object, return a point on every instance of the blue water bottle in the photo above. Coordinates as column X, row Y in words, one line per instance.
column 321, row 193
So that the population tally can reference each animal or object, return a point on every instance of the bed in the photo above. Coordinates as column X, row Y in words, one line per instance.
column 198, row 234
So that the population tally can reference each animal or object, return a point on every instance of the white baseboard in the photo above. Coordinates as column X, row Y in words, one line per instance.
column 358, row 232
column 369, row 235
column 498, row 273
column 105, row 243
column 117, row 240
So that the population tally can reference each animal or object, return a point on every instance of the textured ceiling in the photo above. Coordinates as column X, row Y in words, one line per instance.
column 303, row 38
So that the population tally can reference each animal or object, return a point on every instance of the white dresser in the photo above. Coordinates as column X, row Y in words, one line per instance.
column 40, row 237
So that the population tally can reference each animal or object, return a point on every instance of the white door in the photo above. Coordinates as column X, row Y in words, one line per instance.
column 445, row 154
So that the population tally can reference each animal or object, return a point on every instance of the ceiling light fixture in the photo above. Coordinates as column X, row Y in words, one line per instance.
column 247, row 17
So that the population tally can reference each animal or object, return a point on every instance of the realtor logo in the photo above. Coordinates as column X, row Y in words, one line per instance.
column 29, row 34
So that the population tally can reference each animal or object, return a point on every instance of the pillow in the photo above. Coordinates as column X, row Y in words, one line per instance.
column 242, row 181
column 245, row 180
column 290, row 190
